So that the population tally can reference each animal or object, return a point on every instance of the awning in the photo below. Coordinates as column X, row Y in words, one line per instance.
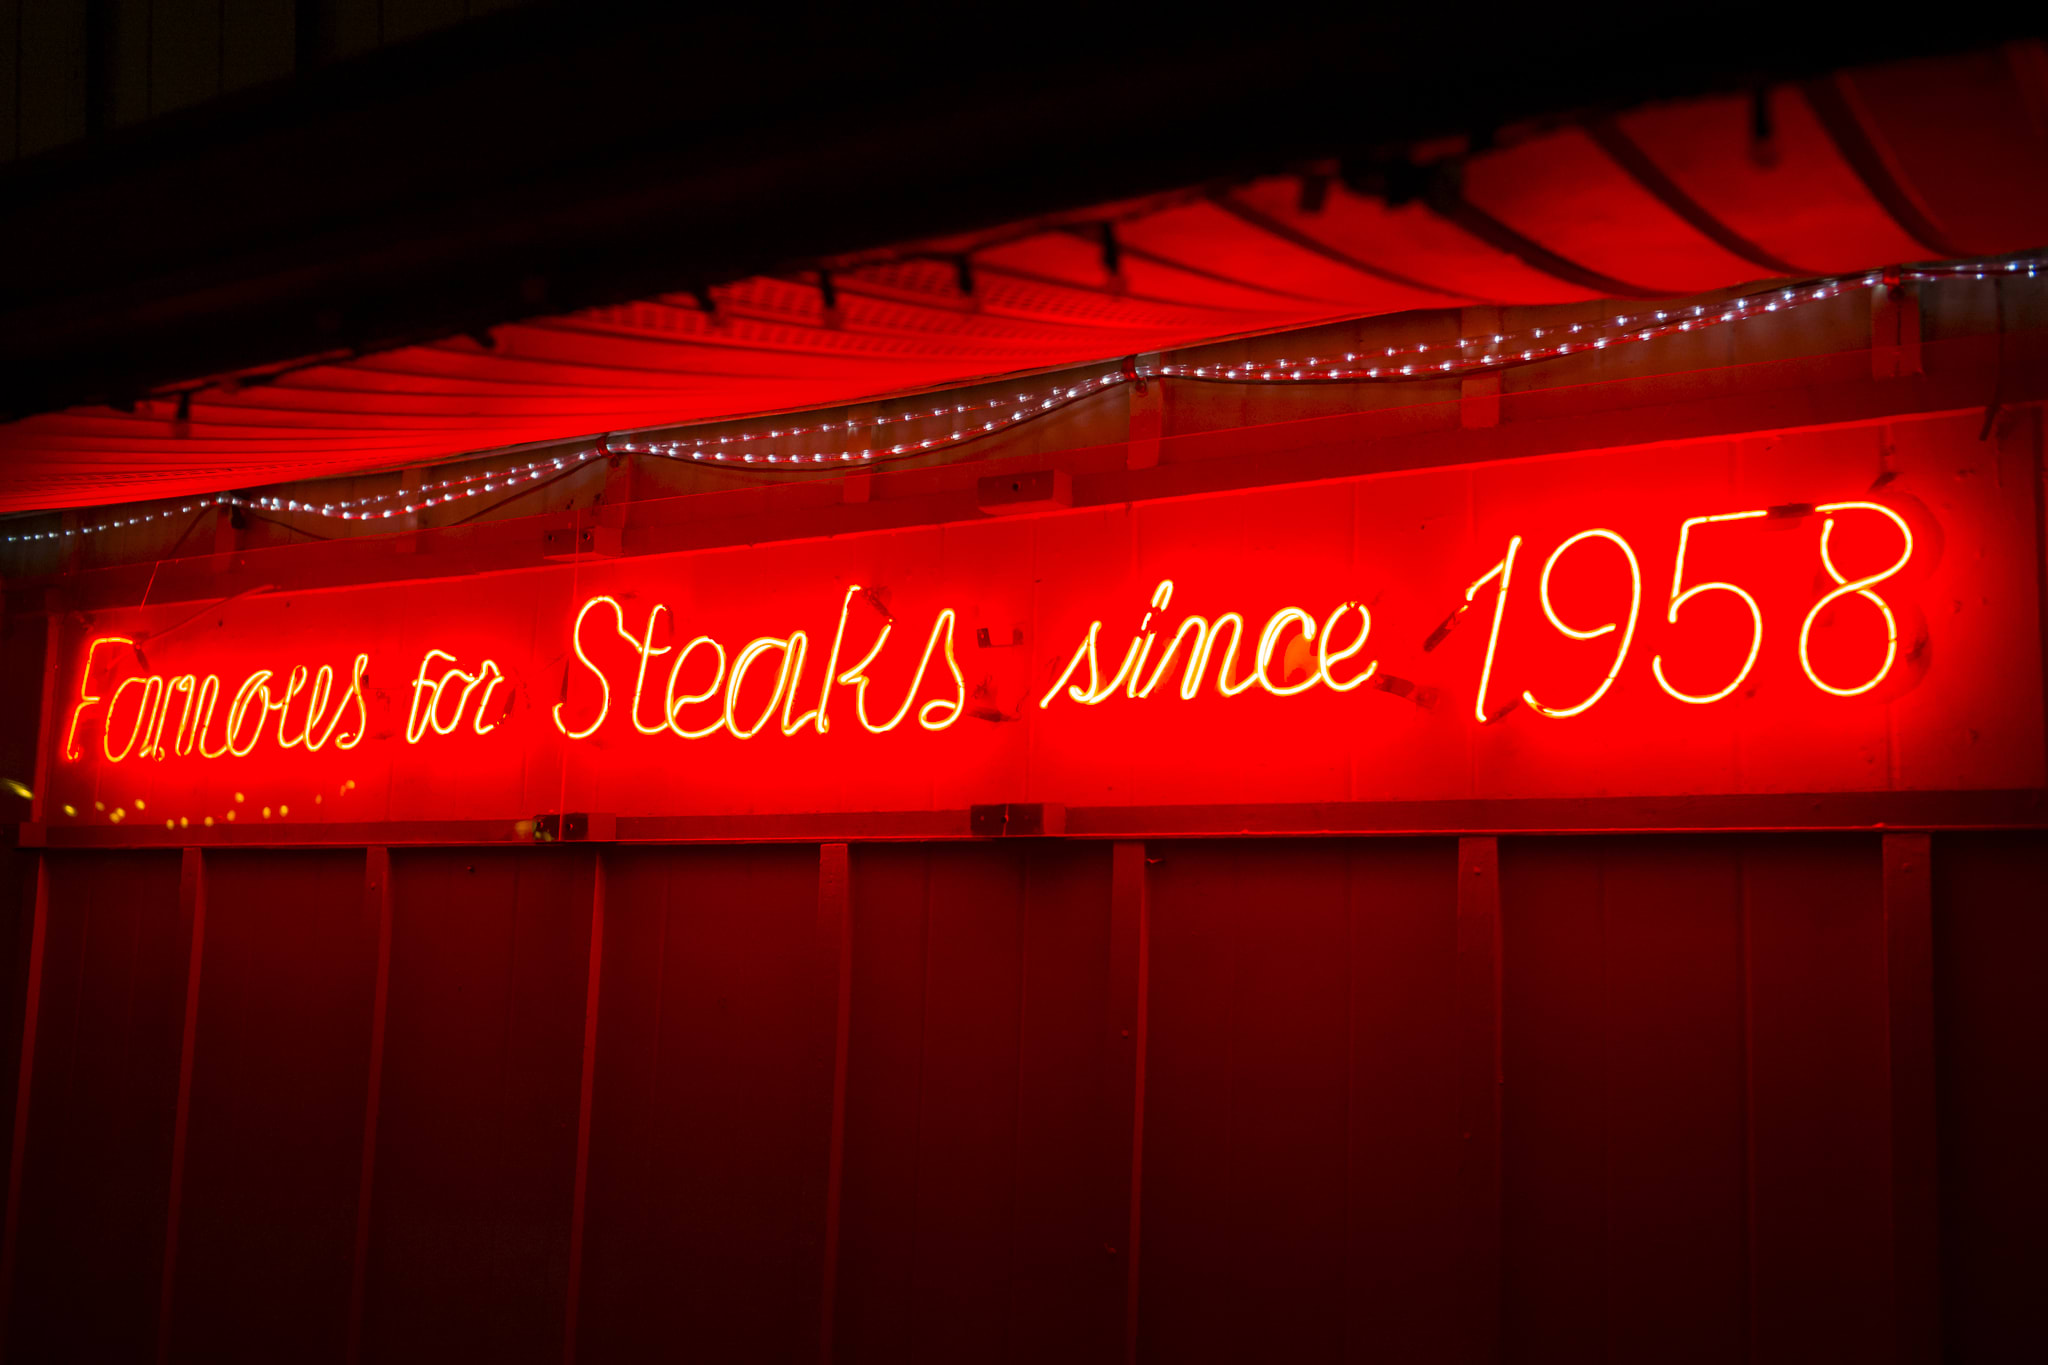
column 1913, row 161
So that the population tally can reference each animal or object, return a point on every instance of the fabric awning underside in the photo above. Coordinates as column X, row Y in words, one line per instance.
column 1915, row 161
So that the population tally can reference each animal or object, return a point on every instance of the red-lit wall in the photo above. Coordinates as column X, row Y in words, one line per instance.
column 1712, row 1139
column 1375, row 1034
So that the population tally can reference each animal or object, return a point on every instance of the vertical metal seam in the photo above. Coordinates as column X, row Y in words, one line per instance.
column 1017, row 1097
column 1607, row 1104
column 1123, row 1087
column 1482, row 1083
column 1141, row 1040
column 579, row 1197
column 1350, row 1080
column 835, row 880
column 1748, row 978
column 1912, row 1130
column 924, row 1013
column 23, row 1090
column 377, row 873
column 193, row 886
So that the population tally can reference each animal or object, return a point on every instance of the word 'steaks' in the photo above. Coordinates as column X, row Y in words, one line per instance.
column 728, row 675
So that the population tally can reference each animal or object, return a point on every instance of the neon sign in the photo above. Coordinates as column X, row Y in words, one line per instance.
column 639, row 675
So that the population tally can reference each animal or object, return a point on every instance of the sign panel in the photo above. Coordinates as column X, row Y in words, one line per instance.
column 1840, row 611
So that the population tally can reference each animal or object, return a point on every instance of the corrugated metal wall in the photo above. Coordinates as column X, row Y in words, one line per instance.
column 889, row 1099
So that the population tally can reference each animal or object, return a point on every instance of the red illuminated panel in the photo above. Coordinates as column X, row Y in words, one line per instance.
column 1377, row 639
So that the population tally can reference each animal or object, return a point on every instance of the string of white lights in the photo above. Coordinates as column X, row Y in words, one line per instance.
column 1427, row 360
column 1025, row 407
column 358, row 509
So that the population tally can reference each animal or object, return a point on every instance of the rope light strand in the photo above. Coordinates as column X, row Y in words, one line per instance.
column 343, row 509
column 762, row 451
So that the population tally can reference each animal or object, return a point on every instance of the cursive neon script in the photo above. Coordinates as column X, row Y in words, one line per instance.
column 138, row 711
column 676, row 708
column 1197, row 641
column 639, row 674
